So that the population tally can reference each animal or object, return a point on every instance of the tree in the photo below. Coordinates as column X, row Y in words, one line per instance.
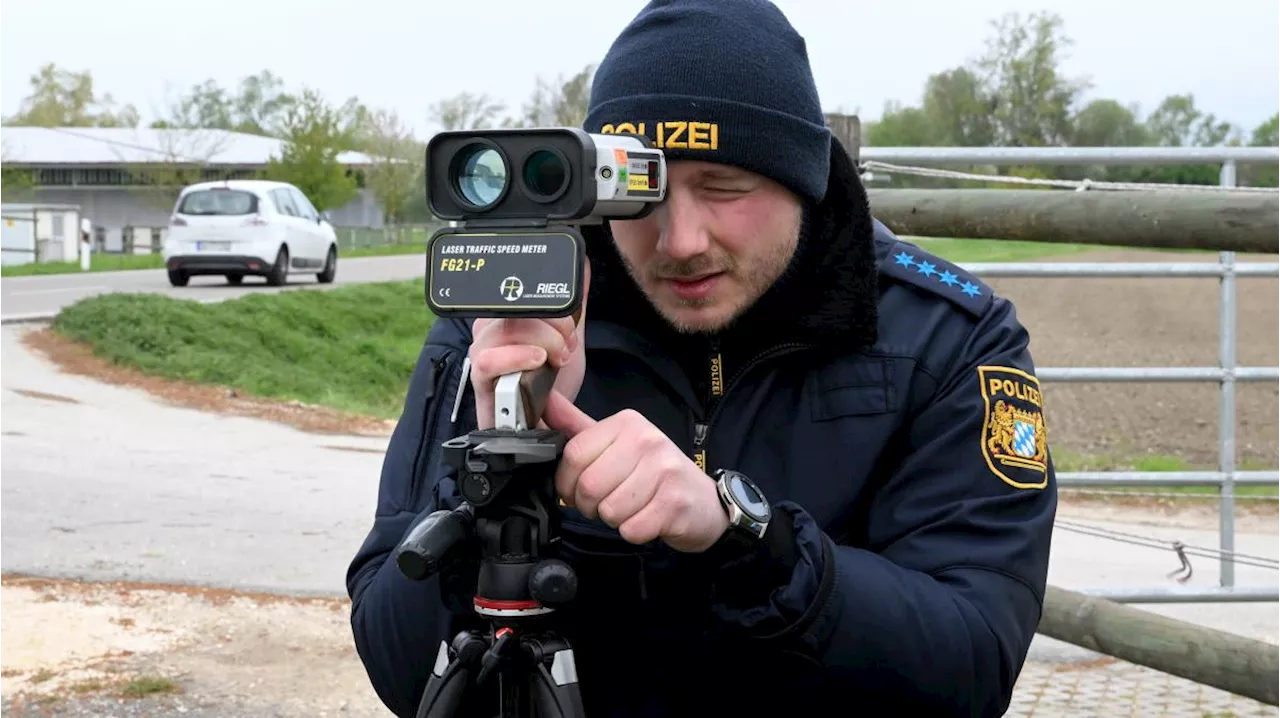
column 1177, row 122
column 62, row 98
column 1107, row 123
column 15, row 184
column 1031, row 99
column 959, row 109
column 315, row 133
column 466, row 112
column 562, row 103
column 1264, row 135
column 257, row 107
column 396, row 173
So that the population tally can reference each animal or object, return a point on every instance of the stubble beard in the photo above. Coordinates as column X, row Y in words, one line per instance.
column 755, row 279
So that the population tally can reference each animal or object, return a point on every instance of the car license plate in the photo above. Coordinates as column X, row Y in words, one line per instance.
column 212, row 246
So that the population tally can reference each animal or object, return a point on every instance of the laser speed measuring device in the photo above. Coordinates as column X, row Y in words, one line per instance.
column 516, row 198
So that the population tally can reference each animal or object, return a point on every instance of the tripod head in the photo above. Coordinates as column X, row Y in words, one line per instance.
column 509, row 514
column 506, row 477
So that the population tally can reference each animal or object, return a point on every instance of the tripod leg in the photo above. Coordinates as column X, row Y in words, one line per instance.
column 555, row 686
column 449, row 680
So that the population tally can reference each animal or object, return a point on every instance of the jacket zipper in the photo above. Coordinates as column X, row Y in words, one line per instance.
column 430, row 412
column 718, row 390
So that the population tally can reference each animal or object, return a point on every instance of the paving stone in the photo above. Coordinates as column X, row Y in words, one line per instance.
column 1111, row 688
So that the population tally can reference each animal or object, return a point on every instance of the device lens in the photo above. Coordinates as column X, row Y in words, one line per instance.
column 481, row 176
column 545, row 174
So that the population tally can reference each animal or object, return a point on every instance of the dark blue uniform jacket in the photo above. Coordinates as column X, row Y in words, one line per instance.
column 887, row 405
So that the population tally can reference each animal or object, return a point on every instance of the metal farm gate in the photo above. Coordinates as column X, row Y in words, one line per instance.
column 1226, row 374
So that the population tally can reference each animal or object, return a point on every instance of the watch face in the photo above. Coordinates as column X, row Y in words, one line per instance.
column 747, row 498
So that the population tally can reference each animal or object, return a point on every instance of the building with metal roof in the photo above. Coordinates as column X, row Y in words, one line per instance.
column 103, row 171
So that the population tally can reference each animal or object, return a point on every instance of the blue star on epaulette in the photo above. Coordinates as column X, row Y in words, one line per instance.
column 944, row 276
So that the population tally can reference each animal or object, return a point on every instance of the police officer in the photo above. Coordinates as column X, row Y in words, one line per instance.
column 807, row 466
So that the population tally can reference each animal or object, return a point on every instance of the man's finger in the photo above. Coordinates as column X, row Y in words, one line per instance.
column 489, row 364
column 560, row 414
column 532, row 332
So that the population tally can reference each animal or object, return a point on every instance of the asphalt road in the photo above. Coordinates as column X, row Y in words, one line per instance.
column 106, row 482
column 42, row 297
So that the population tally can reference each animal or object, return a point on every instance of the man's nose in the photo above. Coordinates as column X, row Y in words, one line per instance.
column 681, row 233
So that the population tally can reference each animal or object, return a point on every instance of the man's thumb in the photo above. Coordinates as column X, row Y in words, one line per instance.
column 560, row 414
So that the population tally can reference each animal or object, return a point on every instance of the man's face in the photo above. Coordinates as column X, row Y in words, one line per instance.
column 718, row 242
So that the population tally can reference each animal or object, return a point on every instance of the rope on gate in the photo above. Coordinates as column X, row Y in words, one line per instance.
column 1078, row 185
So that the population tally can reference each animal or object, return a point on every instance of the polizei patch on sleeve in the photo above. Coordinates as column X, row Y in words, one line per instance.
column 1014, row 442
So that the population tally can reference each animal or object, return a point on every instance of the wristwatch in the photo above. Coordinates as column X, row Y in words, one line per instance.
column 749, row 511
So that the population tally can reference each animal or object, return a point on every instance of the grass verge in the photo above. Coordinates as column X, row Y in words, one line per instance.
column 351, row 348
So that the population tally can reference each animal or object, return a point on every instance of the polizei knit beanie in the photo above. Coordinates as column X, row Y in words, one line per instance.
column 717, row 80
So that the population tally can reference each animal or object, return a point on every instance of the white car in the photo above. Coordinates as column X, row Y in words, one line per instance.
column 239, row 227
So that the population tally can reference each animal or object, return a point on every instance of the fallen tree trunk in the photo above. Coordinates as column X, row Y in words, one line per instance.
column 1237, row 664
column 1172, row 219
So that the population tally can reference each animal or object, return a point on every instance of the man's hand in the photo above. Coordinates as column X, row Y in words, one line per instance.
column 503, row 346
column 626, row 472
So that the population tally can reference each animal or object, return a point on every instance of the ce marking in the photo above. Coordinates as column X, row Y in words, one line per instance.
column 444, row 291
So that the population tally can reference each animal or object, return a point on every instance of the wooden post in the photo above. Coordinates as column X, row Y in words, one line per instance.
column 1237, row 664
column 847, row 129
column 1174, row 219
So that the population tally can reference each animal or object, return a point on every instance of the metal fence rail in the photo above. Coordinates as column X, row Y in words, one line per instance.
column 1227, row 374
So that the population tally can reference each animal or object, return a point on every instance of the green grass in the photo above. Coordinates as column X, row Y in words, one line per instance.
column 1065, row 461
column 352, row 348
column 961, row 251
column 126, row 262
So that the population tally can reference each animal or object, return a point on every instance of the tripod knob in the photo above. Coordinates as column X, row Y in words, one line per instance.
column 553, row 582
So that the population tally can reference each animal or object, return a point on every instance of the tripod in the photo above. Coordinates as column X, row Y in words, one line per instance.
column 509, row 513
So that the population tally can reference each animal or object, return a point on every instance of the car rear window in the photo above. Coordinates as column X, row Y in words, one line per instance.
column 218, row 202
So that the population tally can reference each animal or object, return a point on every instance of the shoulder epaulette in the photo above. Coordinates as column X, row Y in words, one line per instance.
column 910, row 264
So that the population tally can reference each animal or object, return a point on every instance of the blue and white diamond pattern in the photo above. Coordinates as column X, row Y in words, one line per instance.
column 928, row 269
column 1024, row 439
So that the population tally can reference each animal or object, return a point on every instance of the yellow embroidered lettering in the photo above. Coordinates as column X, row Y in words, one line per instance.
column 672, row 134
column 677, row 129
column 699, row 135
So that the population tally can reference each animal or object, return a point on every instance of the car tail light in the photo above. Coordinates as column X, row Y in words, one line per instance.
column 178, row 222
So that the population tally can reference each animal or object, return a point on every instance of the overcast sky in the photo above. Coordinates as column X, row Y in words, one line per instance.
column 406, row 54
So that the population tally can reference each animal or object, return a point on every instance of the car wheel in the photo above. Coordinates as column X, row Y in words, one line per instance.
column 330, row 266
column 235, row 279
column 178, row 278
column 280, row 270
